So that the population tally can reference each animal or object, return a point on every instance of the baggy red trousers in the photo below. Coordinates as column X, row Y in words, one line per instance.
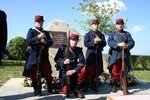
column 92, row 74
column 45, row 70
column 116, row 73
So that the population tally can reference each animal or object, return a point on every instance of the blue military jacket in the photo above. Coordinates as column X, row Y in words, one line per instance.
column 113, row 40
column 89, row 43
column 75, row 55
column 34, row 47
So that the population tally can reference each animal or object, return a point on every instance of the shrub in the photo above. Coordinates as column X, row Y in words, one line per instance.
column 17, row 48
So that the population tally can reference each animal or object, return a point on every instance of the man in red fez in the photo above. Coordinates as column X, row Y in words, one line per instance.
column 74, row 36
column 95, row 41
column 72, row 56
column 119, row 21
column 39, row 18
column 95, row 21
column 38, row 41
column 118, row 40
column 3, row 33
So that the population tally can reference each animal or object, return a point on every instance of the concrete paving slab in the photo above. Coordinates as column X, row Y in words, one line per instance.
column 14, row 82
column 129, row 97
column 14, row 90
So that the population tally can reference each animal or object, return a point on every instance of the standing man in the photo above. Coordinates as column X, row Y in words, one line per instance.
column 3, row 33
column 118, row 40
column 75, row 61
column 38, row 42
column 95, row 42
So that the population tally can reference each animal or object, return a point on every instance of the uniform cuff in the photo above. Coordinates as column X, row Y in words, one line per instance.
column 77, row 69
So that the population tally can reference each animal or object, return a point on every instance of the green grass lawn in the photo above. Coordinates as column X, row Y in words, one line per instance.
column 7, row 72
column 10, row 69
column 142, row 75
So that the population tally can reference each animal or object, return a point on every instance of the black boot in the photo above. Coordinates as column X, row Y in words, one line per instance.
column 37, row 90
column 114, row 83
column 77, row 92
column 94, row 87
column 50, row 88
column 86, row 86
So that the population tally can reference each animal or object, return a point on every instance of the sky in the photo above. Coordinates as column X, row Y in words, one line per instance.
column 20, row 17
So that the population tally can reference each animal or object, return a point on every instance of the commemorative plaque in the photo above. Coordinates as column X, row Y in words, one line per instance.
column 58, row 38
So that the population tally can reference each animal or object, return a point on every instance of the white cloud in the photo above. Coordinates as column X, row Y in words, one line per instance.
column 137, row 28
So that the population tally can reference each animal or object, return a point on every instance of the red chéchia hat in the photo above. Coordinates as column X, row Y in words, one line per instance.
column 74, row 36
column 119, row 21
column 39, row 18
column 95, row 21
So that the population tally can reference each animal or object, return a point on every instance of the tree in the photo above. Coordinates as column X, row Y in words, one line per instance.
column 103, row 11
column 17, row 48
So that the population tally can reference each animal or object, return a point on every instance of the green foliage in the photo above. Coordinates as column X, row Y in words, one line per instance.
column 17, row 48
column 140, row 62
column 145, row 62
column 134, row 62
column 103, row 11
column 13, row 63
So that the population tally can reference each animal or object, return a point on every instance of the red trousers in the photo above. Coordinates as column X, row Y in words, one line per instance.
column 80, row 79
column 117, row 70
column 81, row 76
column 45, row 70
column 91, row 73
